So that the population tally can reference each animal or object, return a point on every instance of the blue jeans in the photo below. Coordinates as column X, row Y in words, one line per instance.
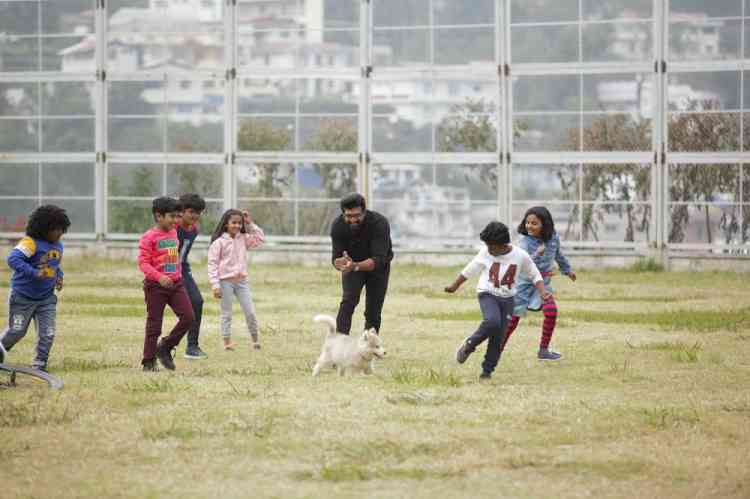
column 22, row 310
column 496, row 312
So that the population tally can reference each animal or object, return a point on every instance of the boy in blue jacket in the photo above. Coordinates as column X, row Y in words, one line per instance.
column 36, row 274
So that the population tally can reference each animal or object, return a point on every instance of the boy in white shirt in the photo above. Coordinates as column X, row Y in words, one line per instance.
column 498, row 263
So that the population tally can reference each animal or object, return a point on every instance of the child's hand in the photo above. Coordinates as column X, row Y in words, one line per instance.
column 572, row 276
column 217, row 292
column 165, row 282
column 59, row 284
column 247, row 219
column 451, row 289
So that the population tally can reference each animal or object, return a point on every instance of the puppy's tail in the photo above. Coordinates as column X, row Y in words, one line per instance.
column 328, row 320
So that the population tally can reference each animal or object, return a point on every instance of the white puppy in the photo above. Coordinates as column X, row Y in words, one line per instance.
column 347, row 353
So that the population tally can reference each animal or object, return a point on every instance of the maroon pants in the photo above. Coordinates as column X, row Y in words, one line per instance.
column 157, row 297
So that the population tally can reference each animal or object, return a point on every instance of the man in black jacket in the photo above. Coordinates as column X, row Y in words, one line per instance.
column 362, row 252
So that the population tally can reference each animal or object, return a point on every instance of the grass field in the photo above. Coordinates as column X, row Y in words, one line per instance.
column 652, row 398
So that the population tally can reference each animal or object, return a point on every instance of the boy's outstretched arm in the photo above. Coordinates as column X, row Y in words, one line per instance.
column 460, row 279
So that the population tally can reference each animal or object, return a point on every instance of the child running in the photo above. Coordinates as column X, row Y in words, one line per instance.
column 227, row 270
column 539, row 239
column 159, row 260
column 498, row 263
column 192, row 206
column 36, row 275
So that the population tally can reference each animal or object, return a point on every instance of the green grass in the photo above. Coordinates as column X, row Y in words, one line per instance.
column 649, row 400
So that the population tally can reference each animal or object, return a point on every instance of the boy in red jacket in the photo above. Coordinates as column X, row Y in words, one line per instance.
column 159, row 260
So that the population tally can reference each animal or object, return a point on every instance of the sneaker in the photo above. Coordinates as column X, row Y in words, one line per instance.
column 485, row 375
column 547, row 354
column 195, row 353
column 2, row 354
column 256, row 345
column 150, row 366
column 39, row 367
column 464, row 351
column 165, row 357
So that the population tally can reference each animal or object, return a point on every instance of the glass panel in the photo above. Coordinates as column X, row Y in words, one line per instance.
column 276, row 217
column 332, row 134
column 136, row 134
column 210, row 217
column 702, row 223
column 546, row 93
column 69, row 53
column 263, row 96
column 467, row 182
column 426, row 223
column 326, row 180
column 203, row 133
column 467, row 132
column 595, row 10
column 705, row 8
column 67, row 98
column 340, row 14
column 134, row 180
column 523, row 11
column 468, row 46
column 407, row 182
column 695, row 132
column 315, row 219
column 402, row 47
column 704, row 91
column 328, row 96
column 19, row 99
column 14, row 213
column 68, row 179
column 80, row 212
column 616, row 183
column 746, row 184
column 474, row 12
column 68, row 135
column 545, row 182
column 401, row 13
column 603, row 42
column 393, row 134
column 617, row 222
column 704, row 183
column 19, row 179
column 745, row 236
column 266, row 134
column 129, row 217
column 273, row 14
column 565, row 216
column 544, row 44
column 19, row 18
column 70, row 16
column 135, row 97
column 277, row 49
column 695, row 37
column 329, row 49
column 265, row 180
column 632, row 93
column 552, row 132
column 616, row 132
column 204, row 179
column 19, row 135
column 19, row 54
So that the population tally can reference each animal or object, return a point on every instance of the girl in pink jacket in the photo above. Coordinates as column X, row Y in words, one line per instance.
column 227, row 270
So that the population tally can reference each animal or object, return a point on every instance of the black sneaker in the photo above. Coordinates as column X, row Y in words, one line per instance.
column 464, row 351
column 164, row 356
column 150, row 366
column 485, row 375
column 547, row 354
column 195, row 353
column 2, row 354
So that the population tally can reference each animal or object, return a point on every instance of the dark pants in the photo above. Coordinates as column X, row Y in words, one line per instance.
column 196, row 300
column 496, row 313
column 157, row 297
column 376, row 286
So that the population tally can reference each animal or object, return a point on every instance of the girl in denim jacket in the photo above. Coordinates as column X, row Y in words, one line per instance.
column 541, row 242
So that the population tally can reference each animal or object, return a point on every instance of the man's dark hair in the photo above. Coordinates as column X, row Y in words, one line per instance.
column 192, row 201
column 164, row 205
column 45, row 219
column 544, row 216
column 353, row 200
column 495, row 233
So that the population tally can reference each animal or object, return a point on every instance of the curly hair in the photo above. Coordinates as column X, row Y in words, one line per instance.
column 221, row 227
column 193, row 202
column 45, row 219
column 544, row 216
column 495, row 233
